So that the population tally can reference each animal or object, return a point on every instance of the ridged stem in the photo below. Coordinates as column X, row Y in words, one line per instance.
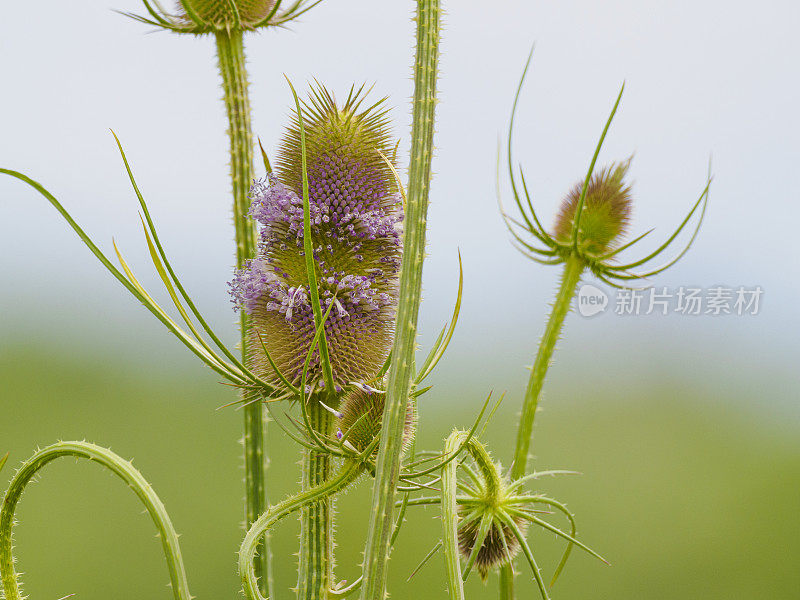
column 347, row 474
column 120, row 467
column 376, row 552
column 506, row 582
column 230, row 50
column 314, row 573
column 455, row 582
column 449, row 491
column 573, row 268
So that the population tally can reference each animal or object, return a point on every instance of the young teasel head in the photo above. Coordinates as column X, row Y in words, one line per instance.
column 209, row 16
column 355, row 217
column 485, row 537
column 489, row 513
column 361, row 416
column 606, row 210
column 592, row 220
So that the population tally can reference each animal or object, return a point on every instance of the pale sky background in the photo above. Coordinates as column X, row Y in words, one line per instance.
column 702, row 78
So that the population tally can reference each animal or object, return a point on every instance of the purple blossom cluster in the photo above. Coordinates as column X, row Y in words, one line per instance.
column 356, row 237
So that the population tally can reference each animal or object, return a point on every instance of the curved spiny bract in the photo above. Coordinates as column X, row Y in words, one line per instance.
column 213, row 16
column 592, row 219
column 356, row 215
column 361, row 418
column 117, row 465
column 219, row 13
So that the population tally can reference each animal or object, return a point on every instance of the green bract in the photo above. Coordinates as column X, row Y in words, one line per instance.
column 209, row 16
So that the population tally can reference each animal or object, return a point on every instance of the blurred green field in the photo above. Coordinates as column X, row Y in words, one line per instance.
column 688, row 499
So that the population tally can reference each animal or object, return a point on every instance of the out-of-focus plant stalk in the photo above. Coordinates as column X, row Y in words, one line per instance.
column 230, row 50
column 376, row 552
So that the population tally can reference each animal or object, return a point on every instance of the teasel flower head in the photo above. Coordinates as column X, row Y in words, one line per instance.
column 593, row 218
column 361, row 417
column 209, row 16
column 489, row 513
column 499, row 545
column 356, row 216
column 606, row 210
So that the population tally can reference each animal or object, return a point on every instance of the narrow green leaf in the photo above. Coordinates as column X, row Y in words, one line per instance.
column 308, row 248
column 264, row 157
column 579, row 209
column 431, row 364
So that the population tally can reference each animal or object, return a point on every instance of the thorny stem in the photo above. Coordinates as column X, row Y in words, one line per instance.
column 455, row 582
column 347, row 474
column 376, row 551
column 230, row 50
column 120, row 467
column 507, row 582
column 314, row 573
column 448, row 499
column 573, row 268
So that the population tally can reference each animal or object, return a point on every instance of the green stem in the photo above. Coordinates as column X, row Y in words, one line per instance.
column 573, row 268
column 120, row 467
column 376, row 552
column 507, row 582
column 315, row 569
column 230, row 50
column 449, row 492
column 347, row 474
column 455, row 582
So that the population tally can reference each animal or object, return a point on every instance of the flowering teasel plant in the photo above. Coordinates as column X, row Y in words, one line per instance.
column 328, row 321
column 589, row 228
column 356, row 218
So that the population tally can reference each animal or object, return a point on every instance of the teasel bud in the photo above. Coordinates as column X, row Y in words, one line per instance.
column 606, row 210
column 500, row 545
column 361, row 417
column 356, row 214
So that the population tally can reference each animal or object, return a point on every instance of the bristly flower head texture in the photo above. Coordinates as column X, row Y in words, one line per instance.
column 606, row 210
column 488, row 498
column 356, row 215
column 226, row 11
column 361, row 417
column 209, row 16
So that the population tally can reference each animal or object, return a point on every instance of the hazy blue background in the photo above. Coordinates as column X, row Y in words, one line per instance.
column 687, row 428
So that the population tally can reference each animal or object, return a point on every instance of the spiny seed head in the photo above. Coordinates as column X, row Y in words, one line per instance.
column 494, row 551
column 606, row 210
column 220, row 13
column 362, row 417
column 356, row 214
